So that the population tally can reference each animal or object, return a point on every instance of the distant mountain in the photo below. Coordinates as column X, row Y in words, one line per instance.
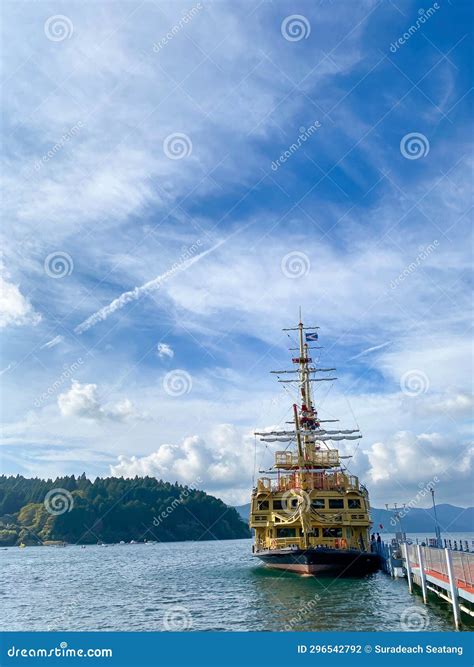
column 452, row 519
column 77, row 510
column 244, row 511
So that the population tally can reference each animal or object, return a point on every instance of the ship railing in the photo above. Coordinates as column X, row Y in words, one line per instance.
column 321, row 458
column 316, row 481
column 282, row 542
column 285, row 458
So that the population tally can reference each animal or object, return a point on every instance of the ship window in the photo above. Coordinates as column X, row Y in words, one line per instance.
column 336, row 503
column 286, row 532
column 353, row 503
column 332, row 532
column 318, row 503
column 314, row 532
column 285, row 504
column 262, row 505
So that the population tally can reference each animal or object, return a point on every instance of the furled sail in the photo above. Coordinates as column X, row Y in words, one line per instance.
column 340, row 437
column 323, row 438
column 309, row 370
column 311, row 380
column 305, row 432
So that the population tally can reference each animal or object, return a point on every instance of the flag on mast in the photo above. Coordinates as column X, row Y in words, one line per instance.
column 311, row 337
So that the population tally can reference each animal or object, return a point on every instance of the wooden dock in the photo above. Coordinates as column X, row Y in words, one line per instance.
column 448, row 573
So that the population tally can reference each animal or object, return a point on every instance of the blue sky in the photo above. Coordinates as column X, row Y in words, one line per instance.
column 143, row 145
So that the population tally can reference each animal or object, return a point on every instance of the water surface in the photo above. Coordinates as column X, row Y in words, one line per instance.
column 192, row 585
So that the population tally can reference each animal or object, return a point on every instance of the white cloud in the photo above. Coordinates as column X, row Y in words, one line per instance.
column 454, row 403
column 165, row 350
column 82, row 400
column 222, row 465
column 444, row 362
column 460, row 403
column 15, row 309
column 402, row 464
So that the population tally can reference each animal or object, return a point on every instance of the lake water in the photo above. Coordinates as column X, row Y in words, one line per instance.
column 192, row 586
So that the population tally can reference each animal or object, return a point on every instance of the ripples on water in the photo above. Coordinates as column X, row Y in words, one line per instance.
column 222, row 587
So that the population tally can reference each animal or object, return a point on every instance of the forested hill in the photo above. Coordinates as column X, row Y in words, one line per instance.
column 76, row 510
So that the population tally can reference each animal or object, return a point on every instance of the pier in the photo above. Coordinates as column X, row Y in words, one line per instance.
column 446, row 572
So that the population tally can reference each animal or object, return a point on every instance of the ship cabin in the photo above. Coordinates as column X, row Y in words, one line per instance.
column 310, row 505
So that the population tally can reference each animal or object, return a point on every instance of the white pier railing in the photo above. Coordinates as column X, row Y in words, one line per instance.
column 447, row 573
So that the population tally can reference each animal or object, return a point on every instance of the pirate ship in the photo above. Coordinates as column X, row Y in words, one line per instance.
column 310, row 515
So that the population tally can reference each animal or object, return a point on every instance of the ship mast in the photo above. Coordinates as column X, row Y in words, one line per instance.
column 305, row 396
column 307, row 425
column 298, row 437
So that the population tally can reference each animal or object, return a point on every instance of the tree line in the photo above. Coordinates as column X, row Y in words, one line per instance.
column 77, row 510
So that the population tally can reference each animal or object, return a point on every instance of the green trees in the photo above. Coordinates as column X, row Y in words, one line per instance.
column 110, row 510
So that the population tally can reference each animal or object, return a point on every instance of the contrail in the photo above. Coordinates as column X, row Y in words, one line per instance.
column 51, row 343
column 137, row 292
column 370, row 349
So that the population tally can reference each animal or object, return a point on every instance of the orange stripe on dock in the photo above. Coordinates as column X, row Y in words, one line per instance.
column 443, row 577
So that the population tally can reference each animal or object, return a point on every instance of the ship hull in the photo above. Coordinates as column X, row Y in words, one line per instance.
column 335, row 562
